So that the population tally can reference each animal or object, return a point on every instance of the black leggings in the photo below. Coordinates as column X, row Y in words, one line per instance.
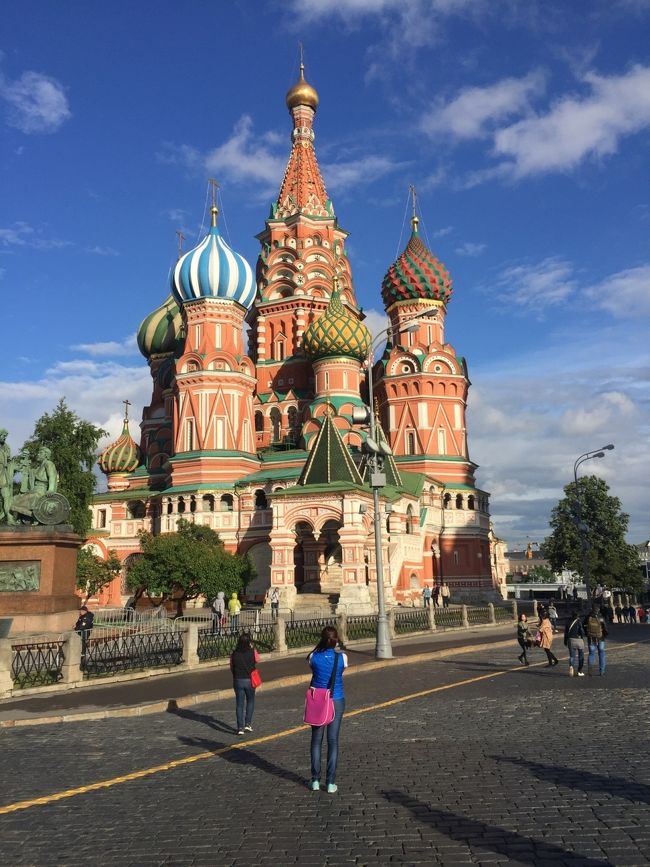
column 523, row 650
column 552, row 659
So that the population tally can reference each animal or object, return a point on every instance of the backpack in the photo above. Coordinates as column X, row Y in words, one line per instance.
column 594, row 627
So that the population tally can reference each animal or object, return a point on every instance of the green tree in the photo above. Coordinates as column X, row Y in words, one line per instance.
column 73, row 444
column 612, row 561
column 541, row 575
column 187, row 564
column 93, row 573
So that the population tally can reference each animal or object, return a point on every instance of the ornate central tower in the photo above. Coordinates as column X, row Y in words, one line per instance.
column 303, row 247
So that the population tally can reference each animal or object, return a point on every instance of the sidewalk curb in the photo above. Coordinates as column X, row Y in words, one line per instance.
column 220, row 694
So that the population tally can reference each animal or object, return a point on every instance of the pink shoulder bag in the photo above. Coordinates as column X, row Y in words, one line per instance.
column 319, row 705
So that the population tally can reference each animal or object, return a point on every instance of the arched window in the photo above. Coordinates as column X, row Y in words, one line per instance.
column 208, row 503
column 259, row 422
column 276, row 425
column 226, row 503
column 470, row 502
column 447, row 501
column 410, row 442
column 181, row 505
column 292, row 419
column 260, row 500
column 170, row 507
column 279, row 350
column 136, row 509
column 459, row 501
column 409, row 520
column 192, row 503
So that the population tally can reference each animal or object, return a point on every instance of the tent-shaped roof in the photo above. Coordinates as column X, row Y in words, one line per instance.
column 329, row 460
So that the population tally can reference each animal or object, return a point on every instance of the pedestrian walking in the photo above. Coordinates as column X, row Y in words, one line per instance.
column 243, row 662
column 234, row 607
column 445, row 592
column 594, row 624
column 640, row 613
column 326, row 662
column 546, row 639
column 575, row 593
column 274, row 600
column 436, row 596
column 619, row 613
column 83, row 628
column 632, row 613
column 552, row 615
column 574, row 641
column 218, row 611
column 523, row 638
column 426, row 595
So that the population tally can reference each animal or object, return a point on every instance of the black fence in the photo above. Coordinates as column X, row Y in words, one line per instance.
column 101, row 657
column 478, row 616
column 38, row 663
column 413, row 620
column 220, row 643
column 448, row 618
column 362, row 626
column 306, row 633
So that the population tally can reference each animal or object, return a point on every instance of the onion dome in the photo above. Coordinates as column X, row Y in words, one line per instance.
column 159, row 332
column 213, row 270
column 302, row 93
column 416, row 274
column 122, row 456
column 336, row 333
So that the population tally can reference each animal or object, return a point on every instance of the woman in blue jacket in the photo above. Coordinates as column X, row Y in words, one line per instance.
column 322, row 659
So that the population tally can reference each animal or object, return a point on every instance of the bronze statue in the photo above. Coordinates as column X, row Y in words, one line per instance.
column 37, row 500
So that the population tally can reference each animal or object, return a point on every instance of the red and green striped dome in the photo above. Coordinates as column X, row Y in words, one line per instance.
column 122, row 456
column 416, row 274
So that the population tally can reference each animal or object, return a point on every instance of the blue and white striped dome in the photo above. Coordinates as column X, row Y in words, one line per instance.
column 213, row 270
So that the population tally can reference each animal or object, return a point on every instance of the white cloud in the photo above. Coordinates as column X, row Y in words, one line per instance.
column 470, row 249
column 476, row 109
column 35, row 103
column 98, row 250
column 440, row 233
column 376, row 321
column 578, row 127
column 109, row 348
column 340, row 176
column 625, row 294
column 244, row 158
column 546, row 283
column 21, row 234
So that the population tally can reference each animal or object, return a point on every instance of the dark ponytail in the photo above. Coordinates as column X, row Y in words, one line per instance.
column 329, row 638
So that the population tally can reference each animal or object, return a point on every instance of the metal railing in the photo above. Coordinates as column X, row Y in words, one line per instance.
column 37, row 663
column 502, row 614
column 220, row 643
column 449, row 618
column 306, row 633
column 476, row 616
column 361, row 626
column 411, row 620
column 103, row 656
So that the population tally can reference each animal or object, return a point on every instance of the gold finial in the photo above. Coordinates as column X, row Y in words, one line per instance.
column 214, row 210
column 302, row 93
column 181, row 238
column 335, row 282
column 127, row 404
column 414, row 216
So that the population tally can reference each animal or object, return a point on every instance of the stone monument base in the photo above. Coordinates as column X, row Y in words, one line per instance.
column 38, row 568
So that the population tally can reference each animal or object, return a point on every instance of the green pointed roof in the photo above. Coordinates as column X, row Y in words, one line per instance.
column 329, row 460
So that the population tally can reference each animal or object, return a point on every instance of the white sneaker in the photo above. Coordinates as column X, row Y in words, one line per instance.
column 248, row 728
column 581, row 674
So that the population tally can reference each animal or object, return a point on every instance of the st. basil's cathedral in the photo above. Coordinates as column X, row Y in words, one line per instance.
column 259, row 443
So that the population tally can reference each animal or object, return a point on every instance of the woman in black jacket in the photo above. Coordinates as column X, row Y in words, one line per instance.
column 242, row 664
column 523, row 637
column 574, row 640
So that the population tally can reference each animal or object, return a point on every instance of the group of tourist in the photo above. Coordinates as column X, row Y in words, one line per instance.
column 225, row 614
column 327, row 666
column 578, row 630
column 439, row 593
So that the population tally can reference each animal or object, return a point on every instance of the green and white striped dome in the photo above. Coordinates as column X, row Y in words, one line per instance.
column 160, row 332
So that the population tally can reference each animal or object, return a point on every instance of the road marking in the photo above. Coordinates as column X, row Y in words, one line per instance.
column 198, row 757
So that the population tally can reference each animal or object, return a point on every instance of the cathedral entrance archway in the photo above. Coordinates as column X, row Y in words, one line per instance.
column 304, row 558
column 331, row 576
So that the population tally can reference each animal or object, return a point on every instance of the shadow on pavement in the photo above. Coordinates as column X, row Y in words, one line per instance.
column 210, row 721
column 243, row 756
column 585, row 781
column 461, row 828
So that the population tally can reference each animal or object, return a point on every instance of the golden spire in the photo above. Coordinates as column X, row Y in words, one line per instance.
column 414, row 217
column 302, row 93
column 214, row 210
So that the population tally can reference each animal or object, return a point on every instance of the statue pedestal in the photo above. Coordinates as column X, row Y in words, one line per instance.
column 38, row 568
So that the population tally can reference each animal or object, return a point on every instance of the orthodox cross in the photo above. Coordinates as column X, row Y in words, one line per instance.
column 181, row 238
column 127, row 404
column 214, row 210
column 414, row 199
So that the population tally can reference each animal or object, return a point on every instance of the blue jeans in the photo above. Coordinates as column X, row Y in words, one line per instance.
column 244, row 695
column 600, row 645
column 317, row 733
column 576, row 656
column 234, row 622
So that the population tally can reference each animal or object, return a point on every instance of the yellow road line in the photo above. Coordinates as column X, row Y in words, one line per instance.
column 198, row 757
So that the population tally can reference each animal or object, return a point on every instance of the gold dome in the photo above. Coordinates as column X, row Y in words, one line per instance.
column 302, row 93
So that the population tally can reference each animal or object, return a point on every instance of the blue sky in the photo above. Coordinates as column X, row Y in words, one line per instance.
column 523, row 125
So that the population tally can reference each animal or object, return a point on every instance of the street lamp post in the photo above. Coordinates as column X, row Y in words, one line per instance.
column 376, row 453
column 582, row 527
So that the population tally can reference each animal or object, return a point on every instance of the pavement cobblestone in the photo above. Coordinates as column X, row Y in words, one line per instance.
column 526, row 768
